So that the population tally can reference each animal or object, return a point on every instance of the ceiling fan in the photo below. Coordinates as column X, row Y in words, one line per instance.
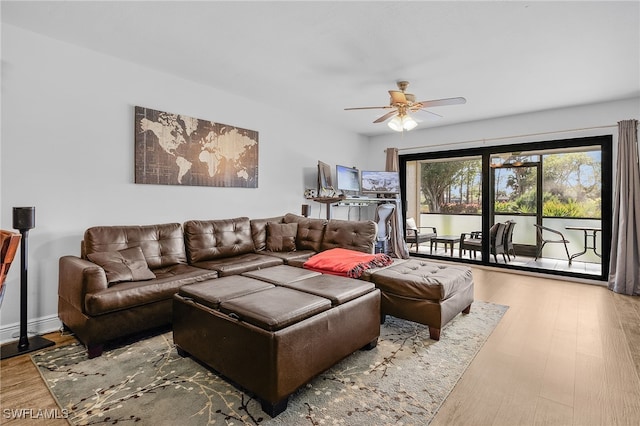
column 402, row 104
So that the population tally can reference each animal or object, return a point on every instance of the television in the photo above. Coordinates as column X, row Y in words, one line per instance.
column 376, row 182
column 324, row 178
column 348, row 180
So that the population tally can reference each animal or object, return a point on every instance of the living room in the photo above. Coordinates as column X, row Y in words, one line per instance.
column 68, row 119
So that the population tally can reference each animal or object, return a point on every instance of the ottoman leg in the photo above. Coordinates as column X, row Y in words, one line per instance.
column 182, row 352
column 372, row 344
column 95, row 350
column 383, row 318
column 466, row 310
column 434, row 333
column 274, row 409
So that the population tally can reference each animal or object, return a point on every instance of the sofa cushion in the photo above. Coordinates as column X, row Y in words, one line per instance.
column 259, row 231
column 310, row 231
column 217, row 239
column 162, row 245
column 131, row 294
column 123, row 265
column 350, row 234
column 293, row 258
column 281, row 236
column 238, row 264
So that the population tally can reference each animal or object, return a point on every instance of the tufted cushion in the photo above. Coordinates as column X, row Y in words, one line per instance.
column 422, row 280
column 162, row 245
column 349, row 234
column 310, row 231
column 216, row 239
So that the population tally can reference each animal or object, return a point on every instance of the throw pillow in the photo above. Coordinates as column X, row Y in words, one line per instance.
column 281, row 236
column 124, row 265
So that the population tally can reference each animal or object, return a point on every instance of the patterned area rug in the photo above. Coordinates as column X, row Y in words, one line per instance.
column 403, row 381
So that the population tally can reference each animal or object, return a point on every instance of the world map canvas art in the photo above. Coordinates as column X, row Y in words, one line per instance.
column 173, row 149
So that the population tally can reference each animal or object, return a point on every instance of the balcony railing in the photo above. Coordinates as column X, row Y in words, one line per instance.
column 524, row 238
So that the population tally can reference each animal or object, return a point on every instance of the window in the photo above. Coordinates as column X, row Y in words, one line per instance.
column 564, row 185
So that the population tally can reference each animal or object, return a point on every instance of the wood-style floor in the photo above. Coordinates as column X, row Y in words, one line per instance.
column 564, row 354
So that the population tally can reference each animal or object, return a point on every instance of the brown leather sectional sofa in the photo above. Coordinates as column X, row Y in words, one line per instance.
column 99, row 305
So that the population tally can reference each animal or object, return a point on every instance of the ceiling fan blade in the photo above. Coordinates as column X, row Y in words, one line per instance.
column 443, row 102
column 397, row 97
column 376, row 107
column 386, row 116
column 428, row 115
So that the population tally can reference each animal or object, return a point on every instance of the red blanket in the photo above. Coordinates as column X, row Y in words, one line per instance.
column 346, row 263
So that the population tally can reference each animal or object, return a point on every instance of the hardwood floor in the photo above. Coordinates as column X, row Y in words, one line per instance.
column 22, row 388
column 564, row 354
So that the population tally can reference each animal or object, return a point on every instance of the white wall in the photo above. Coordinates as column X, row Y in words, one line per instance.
column 552, row 122
column 67, row 148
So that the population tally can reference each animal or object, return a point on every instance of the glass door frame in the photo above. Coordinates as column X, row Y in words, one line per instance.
column 604, row 142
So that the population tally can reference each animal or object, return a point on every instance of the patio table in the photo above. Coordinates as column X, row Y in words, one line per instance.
column 589, row 231
column 446, row 240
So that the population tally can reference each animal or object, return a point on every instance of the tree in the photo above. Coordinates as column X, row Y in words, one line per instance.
column 439, row 180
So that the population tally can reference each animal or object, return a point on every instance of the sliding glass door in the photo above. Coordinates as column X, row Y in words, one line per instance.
column 549, row 202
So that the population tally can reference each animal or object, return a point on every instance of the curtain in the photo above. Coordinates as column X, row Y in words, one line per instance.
column 398, row 245
column 624, row 268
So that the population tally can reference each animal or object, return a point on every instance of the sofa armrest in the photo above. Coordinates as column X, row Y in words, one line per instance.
column 77, row 278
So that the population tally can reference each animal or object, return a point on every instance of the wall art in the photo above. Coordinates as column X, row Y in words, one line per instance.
column 173, row 149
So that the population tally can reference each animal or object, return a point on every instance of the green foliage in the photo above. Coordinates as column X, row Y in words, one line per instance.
column 552, row 206
column 525, row 203
column 461, row 208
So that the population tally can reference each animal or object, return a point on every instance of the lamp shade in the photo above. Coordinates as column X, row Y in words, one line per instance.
column 395, row 123
column 408, row 123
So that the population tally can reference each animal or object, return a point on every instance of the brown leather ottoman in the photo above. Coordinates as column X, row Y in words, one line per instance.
column 426, row 292
column 273, row 339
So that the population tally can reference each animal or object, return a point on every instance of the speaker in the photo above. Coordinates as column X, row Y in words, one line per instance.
column 305, row 210
column 24, row 217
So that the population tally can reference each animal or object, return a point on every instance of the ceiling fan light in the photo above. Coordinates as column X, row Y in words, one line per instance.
column 408, row 123
column 396, row 124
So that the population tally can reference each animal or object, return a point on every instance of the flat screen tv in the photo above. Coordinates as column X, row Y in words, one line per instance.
column 324, row 177
column 348, row 179
column 375, row 182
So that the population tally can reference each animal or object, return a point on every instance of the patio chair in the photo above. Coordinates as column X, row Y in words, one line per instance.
column 415, row 234
column 472, row 241
column 9, row 243
column 508, row 239
column 561, row 240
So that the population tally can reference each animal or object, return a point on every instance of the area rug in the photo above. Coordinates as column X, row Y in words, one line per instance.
column 403, row 381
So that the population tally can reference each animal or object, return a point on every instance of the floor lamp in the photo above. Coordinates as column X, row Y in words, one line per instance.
column 24, row 219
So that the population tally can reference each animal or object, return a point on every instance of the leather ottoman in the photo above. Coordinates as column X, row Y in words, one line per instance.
column 425, row 292
column 271, row 339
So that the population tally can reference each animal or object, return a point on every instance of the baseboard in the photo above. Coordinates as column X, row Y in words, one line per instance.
column 42, row 325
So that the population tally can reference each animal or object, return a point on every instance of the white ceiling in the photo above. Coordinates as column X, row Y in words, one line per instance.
column 320, row 57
